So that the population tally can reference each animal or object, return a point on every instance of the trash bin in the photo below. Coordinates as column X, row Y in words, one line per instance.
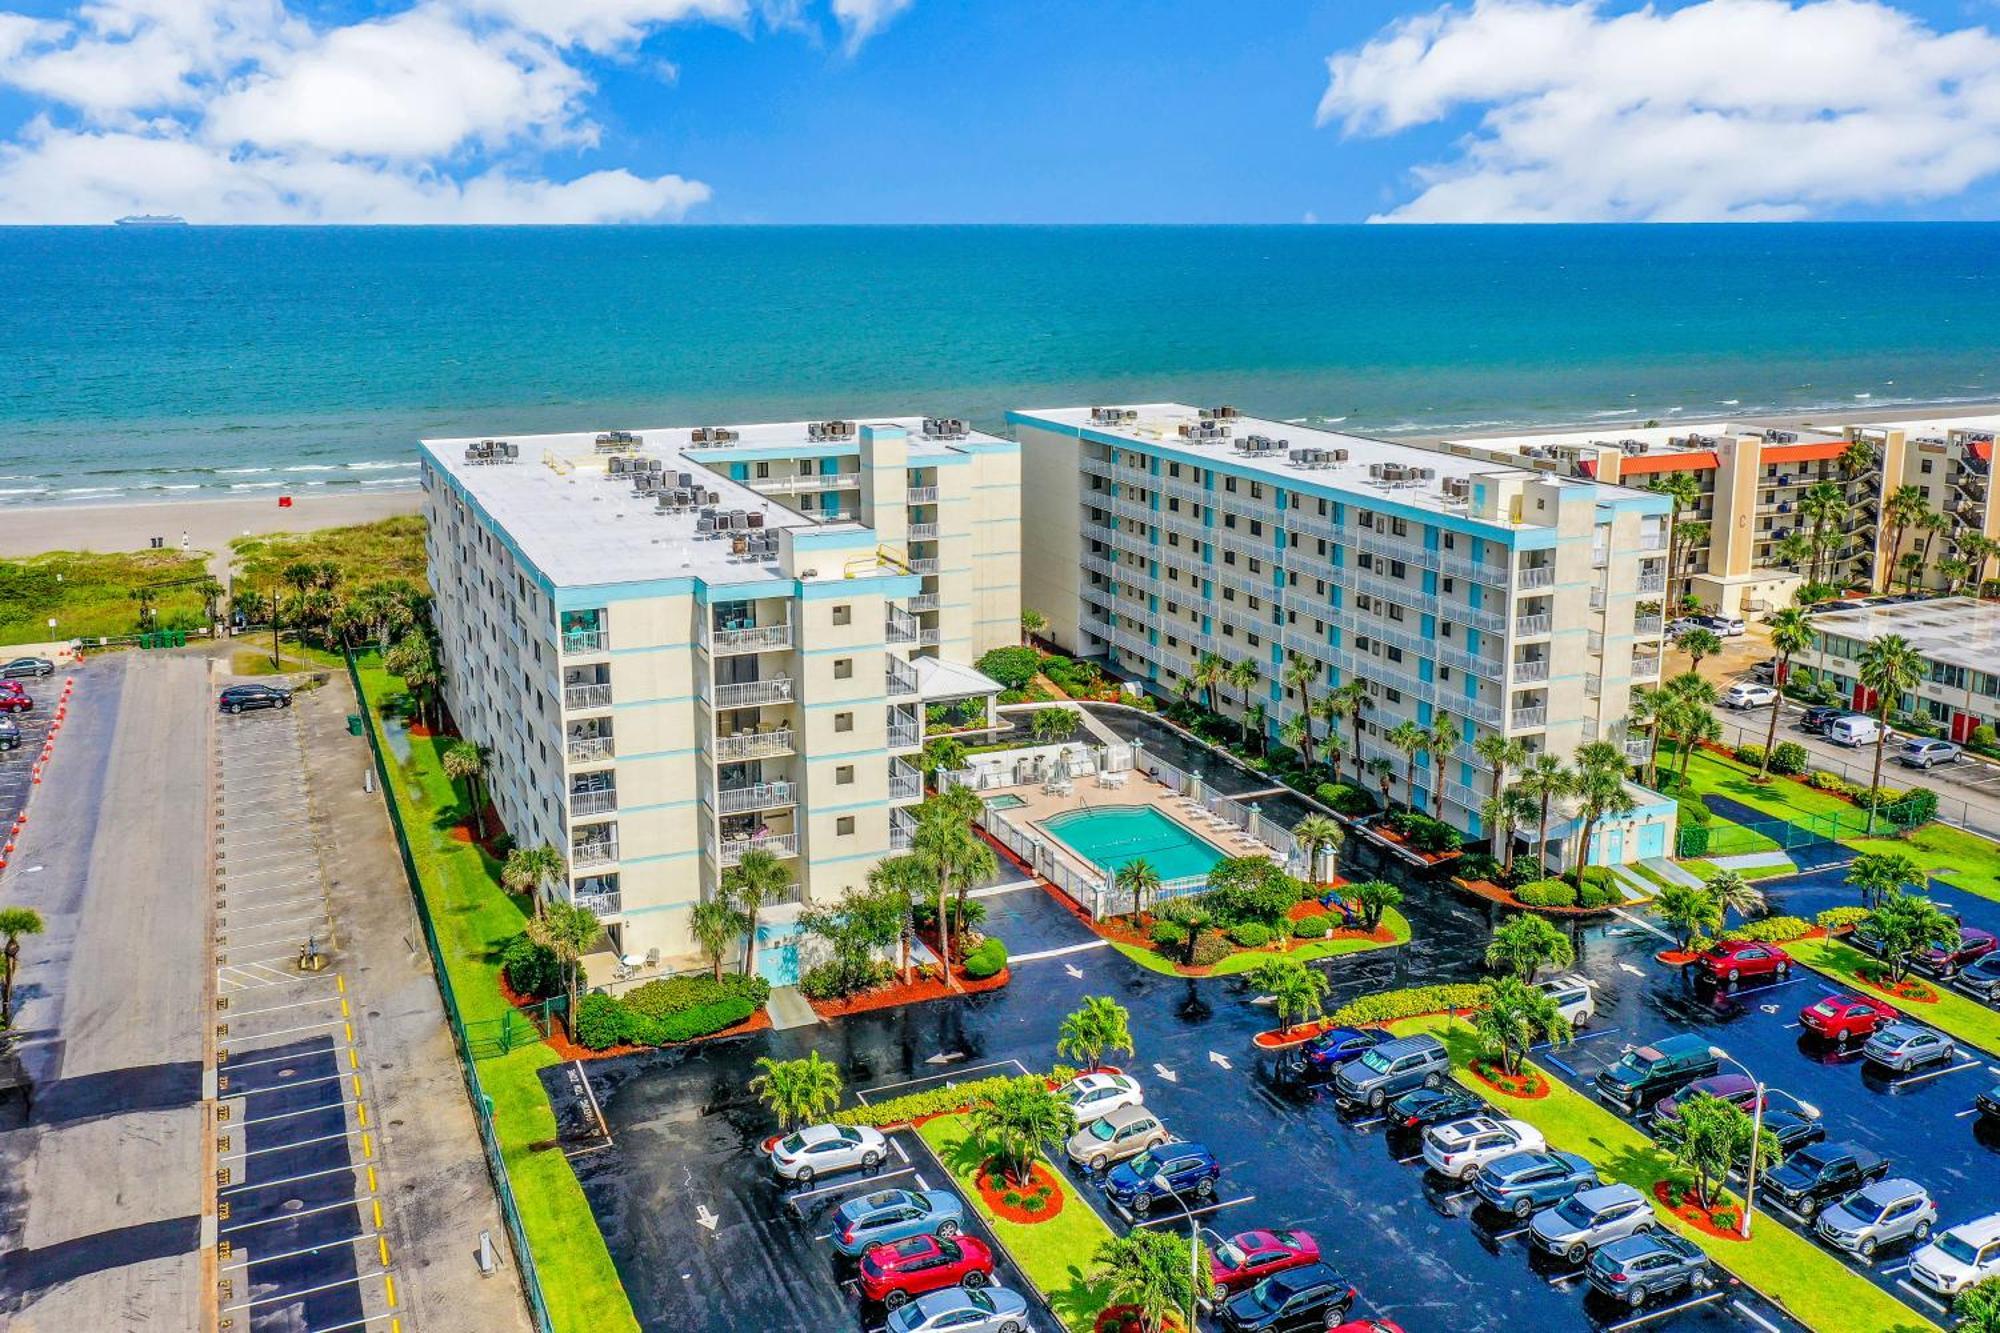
column 354, row 724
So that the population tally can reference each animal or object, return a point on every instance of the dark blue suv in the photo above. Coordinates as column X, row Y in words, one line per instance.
column 1323, row 1056
column 1161, row 1173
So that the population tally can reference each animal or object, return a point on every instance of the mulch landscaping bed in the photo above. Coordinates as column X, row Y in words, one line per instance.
column 1402, row 845
column 1909, row 989
column 1042, row 1186
column 1125, row 1319
column 1528, row 1086
column 1675, row 957
column 1487, row 889
column 1720, row 1222
column 899, row 992
column 559, row 1042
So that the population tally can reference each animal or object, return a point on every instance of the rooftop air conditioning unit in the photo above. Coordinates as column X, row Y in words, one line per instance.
column 1340, row 455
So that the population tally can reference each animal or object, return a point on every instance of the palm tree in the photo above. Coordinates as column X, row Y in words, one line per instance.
column 1503, row 753
column 1374, row 897
column 1301, row 673
column 1693, row 536
column 1253, row 725
column 1444, row 738
column 1504, row 814
column 1878, row 875
column 759, row 878
column 1904, row 924
column 798, row 1092
column 1385, row 773
column 465, row 762
column 1017, row 1118
column 1698, row 643
column 1350, row 701
column 1411, row 739
column 1151, row 1272
column 1689, row 911
column 957, row 857
column 1209, row 671
column 1903, row 510
column 531, row 870
column 1858, row 457
column 1511, row 1016
column 1933, row 522
column 566, row 930
column 1600, row 786
column 1731, row 890
column 1823, row 506
column 1645, row 710
column 1956, row 570
column 1033, row 622
column 943, row 752
column 1243, row 676
column 1526, row 943
column 907, row 881
column 1315, row 834
column 1888, row 668
column 1694, row 724
column 1792, row 550
column 1298, row 992
column 1138, row 878
column 1099, row 1025
column 1295, row 734
column 715, row 925
column 1791, row 633
column 1543, row 779
column 14, row 923
column 1683, row 491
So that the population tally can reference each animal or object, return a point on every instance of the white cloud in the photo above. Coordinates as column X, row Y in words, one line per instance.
column 606, row 25
column 1722, row 109
column 862, row 19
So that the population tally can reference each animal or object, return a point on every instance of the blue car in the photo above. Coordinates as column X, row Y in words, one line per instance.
column 1161, row 1173
column 884, row 1215
column 1522, row 1182
column 1326, row 1053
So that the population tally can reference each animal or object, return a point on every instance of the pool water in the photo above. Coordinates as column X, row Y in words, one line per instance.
column 1006, row 800
column 1111, row 837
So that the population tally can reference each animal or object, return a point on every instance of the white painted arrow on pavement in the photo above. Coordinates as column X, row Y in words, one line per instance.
column 1265, row 999
column 704, row 1218
column 1222, row 1060
column 1073, row 969
column 1633, row 970
column 1166, row 1073
column 946, row 1058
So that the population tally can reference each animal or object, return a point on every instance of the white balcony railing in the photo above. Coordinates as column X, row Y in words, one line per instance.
column 583, row 749
column 1645, row 668
column 905, row 735
column 902, row 834
column 1644, row 625
column 592, row 803
column 1528, row 672
column 603, row 904
column 900, row 629
column 924, row 601
column 923, row 532
column 746, row 693
column 587, row 696
column 921, row 495
column 1526, row 627
column 901, row 679
column 905, row 783
column 1652, row 583
column 1526, row 718
column 930, row 637
column 1637, row 748
column 754, row 744
column 759, row 796
column 929, row 566
column 597, row 852
column 818, row 481
column 777, row 844
column 1593, row 685
column 754, row 639
column 1536, row 576
column 584, row 641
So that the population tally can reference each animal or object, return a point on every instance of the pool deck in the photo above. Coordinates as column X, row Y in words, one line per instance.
column 1138, row 790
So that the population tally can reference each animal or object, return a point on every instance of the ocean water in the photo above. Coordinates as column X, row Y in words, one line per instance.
column 173, row 363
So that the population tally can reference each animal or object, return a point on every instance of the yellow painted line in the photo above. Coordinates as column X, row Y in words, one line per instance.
column 383, row 1241
column 378, row 1214
column 367, row 1146
column 350, row 1032
column 371, row 1180
column 353, row 1060
column 390, row 1279
column 343, row 1009
column 340, row 983
column 357, row 1087
column 361, row 1112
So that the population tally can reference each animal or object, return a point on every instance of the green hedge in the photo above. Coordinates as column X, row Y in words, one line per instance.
column 1251, row 935
column 1313, row 928
column 986, row 960
column 531, row 968
column 1771, row 930
column 669, row 1010
column 1387, row 1006
column 1547, row 893
column 1751, row 756
column 1839, row 918
column 936, row 1101
column 1344, row 798
column 600, row 1022
column 1789, row 758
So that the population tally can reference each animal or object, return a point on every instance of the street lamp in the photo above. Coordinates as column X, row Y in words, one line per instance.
column 1756, row 1133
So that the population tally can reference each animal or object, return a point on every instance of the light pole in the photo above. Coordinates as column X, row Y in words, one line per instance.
column 1194, row 1258
column 1756, row 1134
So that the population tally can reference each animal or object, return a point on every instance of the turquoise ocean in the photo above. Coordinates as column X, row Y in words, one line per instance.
column 175, row 363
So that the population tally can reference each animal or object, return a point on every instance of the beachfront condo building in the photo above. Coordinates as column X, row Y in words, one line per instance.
column 1958, row 638
column 1760, row 525
column 1517, row 602
column 684, row 645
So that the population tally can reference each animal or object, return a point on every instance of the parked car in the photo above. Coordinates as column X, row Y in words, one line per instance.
column 1428, row 1106
column 1575, row 996
column 1590, row 1218
column 1742, row 960
column 1924, row 752
column 1644, row 1074
column 1327, row 1052
column 1392, row 1069
column 1115, row 1136
column 1368, row 1326
column 10, row 733
column 1729, row 627
column 894, row 1273
column 1876, row 1215
column 1639, row 1268
column 1988, row 1103
column 1853, row 730
column 25, row 668
column 1747, row 694
column 1739, row 1090
column 1458, row 1148
column 1247, row 1258
column 1168, row 1171
column 1522, row 1182
column 1806, row 1180
column 238, row 698
column 1093, row 1096
column 1817, row 718
column 1904, row 1046
column 1793, row 1130
column 885, row 1215
column 1313, row 1297
column 1973, row 945
column 1764, row 672
column 1982, row 978
column 15, row 700
column 963, row 1310
column 1681, row 625
column 818, row 1149
column 1967, row 1254
column 1842, row 1018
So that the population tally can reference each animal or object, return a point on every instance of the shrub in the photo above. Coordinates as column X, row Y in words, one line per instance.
column 936, row 1101
column 1387, row 1006
column 987, row 960
column 1012, row 667
column 1547, row 893
column 1251, row 935
column 836, row 980
column 1821, row 780
column 1789, row 758
column 1211, row 949
column 1985, row 737
column 1423, row 833
column 1751, row 756
column 600, row 1022
column 1479, row 865
column 699, row 1020
column 1312, row 928
column 1601, row 876
column 1771, row 930
column 1918, row 806
column 1598, row 894
column 673, row 995
column 1169, row 936
column 1836, row 919
column 532, row 970
column 1344, row 798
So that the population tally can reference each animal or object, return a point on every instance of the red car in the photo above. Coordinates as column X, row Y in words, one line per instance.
column 1247, row 1258
column 14, row 699
column 894, row 1272
column 1845, row 1018
column 1735, row 960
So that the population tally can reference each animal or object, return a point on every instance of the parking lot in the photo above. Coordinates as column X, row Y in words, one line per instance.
column 17, row 765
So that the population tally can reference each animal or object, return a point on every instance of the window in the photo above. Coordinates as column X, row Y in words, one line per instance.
column 843, row 776
column 843, row 668
column 843, row 721
column 1397, row 569
column 844, row 826
column 843, row 615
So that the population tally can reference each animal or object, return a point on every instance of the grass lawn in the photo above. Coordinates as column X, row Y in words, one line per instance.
column 1711, row 774
column 390, row 549
column 1962, row 1017
column 475, row 918
column 1057, row 1254
column 1809, row 1282
column 1303, row 950
column 93, row 595
column 1961, row 859
column 1709, row 870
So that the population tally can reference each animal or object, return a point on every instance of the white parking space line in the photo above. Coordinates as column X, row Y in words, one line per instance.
column 355, row 1202
column 1921, row 1295
column 901, row 1156
column 292, row 1180
column 1664, row 1311
column 293, row 1254
column 1911, row 1080
column 278, row 1008
column 1158, row 1219
column 848, row 1184
column 1061, row 953
column 293, row 1057
column 1753, row 1316
column 1369, row 1123
column 286, row 1147
column 277, row 1298
column 337, row 1104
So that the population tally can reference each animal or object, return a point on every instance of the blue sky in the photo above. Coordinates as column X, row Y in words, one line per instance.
column 816, row 111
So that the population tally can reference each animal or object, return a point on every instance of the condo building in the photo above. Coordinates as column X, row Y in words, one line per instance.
column 1516, row 601
column 684, row 644
column 1762, row 534
column 1958, row 638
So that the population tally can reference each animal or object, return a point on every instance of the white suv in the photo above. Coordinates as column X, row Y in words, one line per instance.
column 1460, row 1147
column 1747, row 694
column 1959, row 1258
column 1575, row 996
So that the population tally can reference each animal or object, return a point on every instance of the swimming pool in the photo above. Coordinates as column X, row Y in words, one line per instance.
column 1006, row 800
column 1110, row 837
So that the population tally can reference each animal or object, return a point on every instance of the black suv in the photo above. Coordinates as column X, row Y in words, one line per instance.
column 237, row 698
column 1814, row 719
column 21, row 668
column 1638, row 1268
column 1983, row 978
column 1644, row 1074
column 1313, row 1297
column 1816, row 1175
column 1988, row 1103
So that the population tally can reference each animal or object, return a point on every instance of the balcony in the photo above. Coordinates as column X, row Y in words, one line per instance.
column 923, row 532
column 1653, row 541
column 900, row 629
column 750, row 693
column 921, row 495
column 1395, row 548
column 902, row 832
column 575, row 642
column 597, row 852
column 753, row 745
column 1526, row 719
column 924, row 601
column 905, row 783
column 1652, row 582
column 584, row 749
column 777, row 844
column 587, row 696
column 1645, row 668
column 1637, row 748
column 905, row 735
column 930, row 566
column 752, row 639
column 818, row 481
column 1647, row 625
column 901, row 678
column 596, row 802
column 1593, row 685
column 1529, row 627
column 758, row 796
column 1536, row 576
column 1526, row 673
column 930, row 637
column 603, row 904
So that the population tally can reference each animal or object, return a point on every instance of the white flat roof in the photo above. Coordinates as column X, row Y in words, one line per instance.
column 580, row 526
column 1158, row 427
column 1661, row 438
column 1936, row 427
column 1958, row 631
